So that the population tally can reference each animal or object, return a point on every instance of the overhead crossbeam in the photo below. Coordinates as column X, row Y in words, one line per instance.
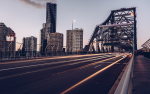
column 119, row 23
column 112, row 25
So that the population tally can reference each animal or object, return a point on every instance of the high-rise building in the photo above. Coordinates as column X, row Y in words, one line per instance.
column 43, row 39
column 55, row 43
column 5, row 46
column 31, row 45
column 48, row 27
column 51, row 9
column 77, row 40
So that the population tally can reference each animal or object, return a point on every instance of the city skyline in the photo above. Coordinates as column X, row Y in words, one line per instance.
column 26, row 19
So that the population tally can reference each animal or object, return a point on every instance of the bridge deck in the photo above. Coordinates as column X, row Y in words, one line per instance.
column 141, row 75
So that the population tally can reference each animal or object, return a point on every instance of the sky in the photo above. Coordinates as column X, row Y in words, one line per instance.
column 25, row 17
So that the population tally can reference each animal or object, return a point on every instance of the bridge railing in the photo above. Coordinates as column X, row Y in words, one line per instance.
column 125, row 84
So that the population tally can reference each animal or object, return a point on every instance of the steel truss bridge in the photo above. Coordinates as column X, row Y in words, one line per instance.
column 116, row 33
column 146, row 44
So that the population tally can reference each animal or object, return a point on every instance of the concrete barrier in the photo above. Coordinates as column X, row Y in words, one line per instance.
column 125, row 85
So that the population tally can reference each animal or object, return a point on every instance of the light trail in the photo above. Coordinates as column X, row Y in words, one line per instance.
column 91, row 76
column 51, row 58
column 57, row 67
column 52, row 63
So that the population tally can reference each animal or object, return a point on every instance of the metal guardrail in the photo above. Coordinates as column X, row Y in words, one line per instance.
column 125, row 84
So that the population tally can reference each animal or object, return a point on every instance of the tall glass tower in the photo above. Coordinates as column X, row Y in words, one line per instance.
column 51, row 9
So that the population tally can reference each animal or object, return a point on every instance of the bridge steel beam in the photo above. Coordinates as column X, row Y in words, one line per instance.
column 116, row 32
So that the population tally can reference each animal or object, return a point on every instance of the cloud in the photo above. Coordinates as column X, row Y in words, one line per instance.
column 53, row 1
column 37, row 3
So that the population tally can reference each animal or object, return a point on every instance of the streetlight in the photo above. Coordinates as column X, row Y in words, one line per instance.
column 132, row 14
column 72, row 35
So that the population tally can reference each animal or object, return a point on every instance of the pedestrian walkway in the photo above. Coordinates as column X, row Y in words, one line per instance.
column 141, row 75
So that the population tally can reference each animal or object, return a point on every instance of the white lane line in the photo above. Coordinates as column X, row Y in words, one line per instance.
column 73, row 63
column 55, row 63
column 108, row 62
column 38, row 61
column 97, row 66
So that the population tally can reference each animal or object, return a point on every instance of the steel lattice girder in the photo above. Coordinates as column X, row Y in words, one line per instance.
column 123, row 21
column 146, row 44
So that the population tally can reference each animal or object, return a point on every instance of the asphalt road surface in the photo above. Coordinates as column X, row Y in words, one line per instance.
column 78, row 74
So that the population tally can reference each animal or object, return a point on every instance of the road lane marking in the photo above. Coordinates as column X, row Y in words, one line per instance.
column 54, row 63
column 108, row 62
column 54, row 58
column 97, row 66
column 91, row 76
column 57, row 67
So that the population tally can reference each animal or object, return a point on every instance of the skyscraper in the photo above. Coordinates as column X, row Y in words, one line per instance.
column 49, row 26
column 6, row 46
column 49, row 37
column 51, row 17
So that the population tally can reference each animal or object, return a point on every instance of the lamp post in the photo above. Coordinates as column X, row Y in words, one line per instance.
column 72, row 35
